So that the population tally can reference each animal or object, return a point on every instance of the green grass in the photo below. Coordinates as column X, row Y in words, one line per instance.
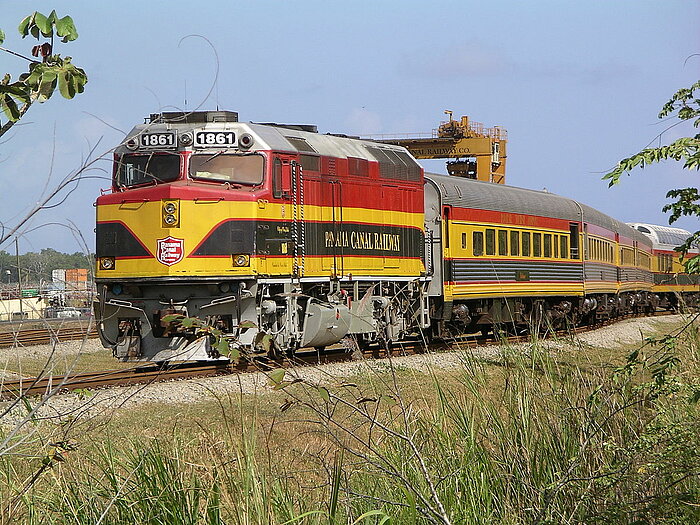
column 576, row 435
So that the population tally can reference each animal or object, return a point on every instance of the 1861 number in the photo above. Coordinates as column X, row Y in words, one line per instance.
column 158, row 140
column 215, row 138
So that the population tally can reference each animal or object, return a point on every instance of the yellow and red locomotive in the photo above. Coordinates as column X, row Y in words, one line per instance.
column 303, row 235
column 282, row 238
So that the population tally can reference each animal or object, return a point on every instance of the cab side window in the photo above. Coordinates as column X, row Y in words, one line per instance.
column 277, row 179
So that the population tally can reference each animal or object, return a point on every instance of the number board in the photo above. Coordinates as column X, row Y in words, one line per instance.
column 158, row 140
column 213, row 139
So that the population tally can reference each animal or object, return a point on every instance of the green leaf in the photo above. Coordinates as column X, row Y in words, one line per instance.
column 66, row 28
column 66, row 85
column 2, row 36
column 47, row 85
column 391, row 400
column 188, row 322
column 222, row 346
column 32, row 27
column 43, row 24
column 171, row 317
column 247, row 324
column 24, row 26
column 325, row 395
column 277, row 376
column 18, row 90
column 370, row 514
column 9, row 106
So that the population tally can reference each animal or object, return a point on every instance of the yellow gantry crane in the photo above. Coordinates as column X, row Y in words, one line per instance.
column 479, row 152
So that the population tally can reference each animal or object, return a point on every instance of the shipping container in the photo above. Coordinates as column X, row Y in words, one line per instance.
column 75, row 275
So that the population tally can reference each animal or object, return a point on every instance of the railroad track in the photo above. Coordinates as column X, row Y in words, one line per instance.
column 44, row 336
column 144, row 374
column 44, row 385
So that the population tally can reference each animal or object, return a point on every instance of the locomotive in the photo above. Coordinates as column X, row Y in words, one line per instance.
column 282, row 238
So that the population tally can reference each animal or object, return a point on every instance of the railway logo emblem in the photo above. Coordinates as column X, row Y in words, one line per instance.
column 170, row 250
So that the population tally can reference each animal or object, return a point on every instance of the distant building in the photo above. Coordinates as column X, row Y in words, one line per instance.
column 25, row 308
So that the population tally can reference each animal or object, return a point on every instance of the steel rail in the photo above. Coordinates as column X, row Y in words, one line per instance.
column 44, row 336
column 51, row 384
column 144, row 374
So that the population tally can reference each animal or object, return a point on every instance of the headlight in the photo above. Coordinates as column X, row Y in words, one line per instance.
column 132, row 143
column 241, row 260
column 170, row 213
column 245, row 141
column 185, row 139
column 106, row 263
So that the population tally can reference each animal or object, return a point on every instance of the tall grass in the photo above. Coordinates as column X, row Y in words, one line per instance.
column 530, row 438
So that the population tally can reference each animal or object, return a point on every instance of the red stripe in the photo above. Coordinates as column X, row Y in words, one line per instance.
column 366, row 192
column 490, row 258
column 290, row 256
column 600, row 231
column 501, row 217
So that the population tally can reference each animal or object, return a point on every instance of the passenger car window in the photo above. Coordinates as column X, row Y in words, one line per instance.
column 478, row 243
column 515, row 243
column 490, row 242
column 564, row 241
column 502, row 242
column 526, row 244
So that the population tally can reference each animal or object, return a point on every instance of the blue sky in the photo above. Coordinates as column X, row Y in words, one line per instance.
column 577, row 85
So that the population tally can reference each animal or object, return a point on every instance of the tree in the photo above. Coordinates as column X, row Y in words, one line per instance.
column 685, row 106
column 47, row 71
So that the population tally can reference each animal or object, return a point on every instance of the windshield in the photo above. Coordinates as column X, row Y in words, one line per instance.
column 133, row 170
column 220, row 167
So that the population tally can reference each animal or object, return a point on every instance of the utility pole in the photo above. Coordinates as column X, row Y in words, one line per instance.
column 19, row 280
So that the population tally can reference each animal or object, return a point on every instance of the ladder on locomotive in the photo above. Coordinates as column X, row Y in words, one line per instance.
column 298, row 223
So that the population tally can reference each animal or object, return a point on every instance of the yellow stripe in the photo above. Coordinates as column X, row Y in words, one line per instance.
column 676, row 288
column 204, row 215
column 477, row 291
column 197, row 219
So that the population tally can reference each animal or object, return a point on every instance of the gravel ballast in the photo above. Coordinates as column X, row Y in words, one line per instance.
column 194, row 390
